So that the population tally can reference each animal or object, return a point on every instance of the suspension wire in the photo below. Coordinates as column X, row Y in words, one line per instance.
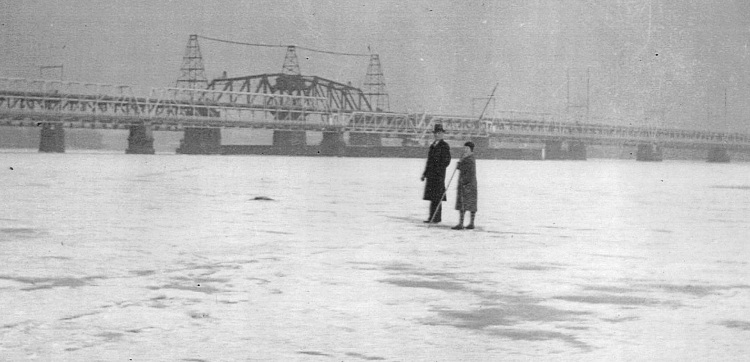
column 283, row 46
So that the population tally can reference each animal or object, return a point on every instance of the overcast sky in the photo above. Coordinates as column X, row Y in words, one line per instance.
column 643, row 58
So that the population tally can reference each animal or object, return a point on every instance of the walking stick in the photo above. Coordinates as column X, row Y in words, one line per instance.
column 440, row 204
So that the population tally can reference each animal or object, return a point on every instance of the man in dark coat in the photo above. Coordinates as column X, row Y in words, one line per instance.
column 438, row 160
column 466, row 193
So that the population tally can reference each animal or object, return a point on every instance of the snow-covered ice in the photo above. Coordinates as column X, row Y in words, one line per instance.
column 171, row 257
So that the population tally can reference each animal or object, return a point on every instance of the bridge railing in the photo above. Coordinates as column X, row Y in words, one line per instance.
column 56, row 100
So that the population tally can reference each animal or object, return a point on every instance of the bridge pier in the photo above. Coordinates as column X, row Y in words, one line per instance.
column 297, row 139
column 568, row 150
column 201, row 141
column 52, row 138
column 648, row 152
column 140, row 140
column 332, row 144
column 365, row 139
column 718, row 155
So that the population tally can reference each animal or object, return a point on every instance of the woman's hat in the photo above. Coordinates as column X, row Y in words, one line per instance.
column 438, row 128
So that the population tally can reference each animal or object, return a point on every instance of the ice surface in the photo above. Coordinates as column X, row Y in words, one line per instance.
column 169, row 257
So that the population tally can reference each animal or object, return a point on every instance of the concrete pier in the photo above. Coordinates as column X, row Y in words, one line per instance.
column 333, row 144
column 296, row 139
column 648, row 152
column 718, row 155
column 364, row 139
column 140, row 140
column 201, row 141
column 52, row 138
column 564, row 150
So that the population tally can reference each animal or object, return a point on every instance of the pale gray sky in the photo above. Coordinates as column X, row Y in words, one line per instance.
column 644, row 57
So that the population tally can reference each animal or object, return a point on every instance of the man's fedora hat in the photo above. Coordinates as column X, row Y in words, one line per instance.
column 438, row 128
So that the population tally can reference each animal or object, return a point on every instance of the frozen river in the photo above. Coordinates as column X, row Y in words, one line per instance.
column 169, row 257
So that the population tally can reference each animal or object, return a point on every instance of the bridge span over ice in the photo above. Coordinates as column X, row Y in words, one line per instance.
column 202, row 113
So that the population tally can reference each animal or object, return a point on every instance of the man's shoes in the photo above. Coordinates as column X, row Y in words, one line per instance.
column 431, row 222
column 470, row 226
column 458, row 227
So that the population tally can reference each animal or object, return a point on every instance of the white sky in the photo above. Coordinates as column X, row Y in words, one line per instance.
column 644, row 57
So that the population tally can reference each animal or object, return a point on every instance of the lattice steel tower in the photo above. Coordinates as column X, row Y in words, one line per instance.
column 375, row 86
column 193, row 73
column 291, row 64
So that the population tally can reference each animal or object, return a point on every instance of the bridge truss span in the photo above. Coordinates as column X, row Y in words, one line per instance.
column 78, row 105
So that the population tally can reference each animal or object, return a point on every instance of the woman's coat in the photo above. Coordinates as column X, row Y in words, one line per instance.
column 466, row 193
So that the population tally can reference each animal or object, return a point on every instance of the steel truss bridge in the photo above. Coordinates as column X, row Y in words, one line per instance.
column 27, row 103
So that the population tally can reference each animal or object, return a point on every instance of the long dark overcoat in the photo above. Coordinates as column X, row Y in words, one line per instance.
column 438, row 160
column 466, row 191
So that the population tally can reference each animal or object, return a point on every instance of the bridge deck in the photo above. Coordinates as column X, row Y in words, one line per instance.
column 176, row 109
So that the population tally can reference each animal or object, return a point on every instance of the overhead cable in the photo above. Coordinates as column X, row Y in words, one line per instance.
column 283, row 46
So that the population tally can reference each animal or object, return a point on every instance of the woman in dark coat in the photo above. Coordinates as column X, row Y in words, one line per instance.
column 438, row 160
column 466, row 193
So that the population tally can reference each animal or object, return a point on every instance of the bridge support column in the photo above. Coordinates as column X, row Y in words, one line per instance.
column 365, row 139
column 201, row 141
column 577, row 151
column 648, row 152
column 52, row 138
column 718, row 155
column 553, row 150
column 568, row 150
column 332, row 144
column 140, row 140
column 290, row 139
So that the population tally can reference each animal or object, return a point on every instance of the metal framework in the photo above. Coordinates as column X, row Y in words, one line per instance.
column 339, row 97
column 91, row 105
column 375, row 85
column 193, row 72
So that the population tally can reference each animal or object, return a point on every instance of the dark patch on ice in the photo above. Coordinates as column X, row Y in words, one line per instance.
column 49, row 283
column 78, row 316
column 142, row 273
column 275, row 232
column 697, row 290
column 743, row 325
column 427, row 284
column 540, row 335
column 507, row 315
column 56, row 257
column 200, row 281
column 621, row 319
column 534, row 267
column 198, row 315
column 110, row 336
column 732, row 187
column 314, row 353
column 663, row 231
column 610, row 289
column 262, row 198
column 398, row 267
column 368, row 358
column 194, row 360
column 618, row 256
column 260, row 280
column 487, row 320
column 23, row 232
column 200, row 288
column 608, row 299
